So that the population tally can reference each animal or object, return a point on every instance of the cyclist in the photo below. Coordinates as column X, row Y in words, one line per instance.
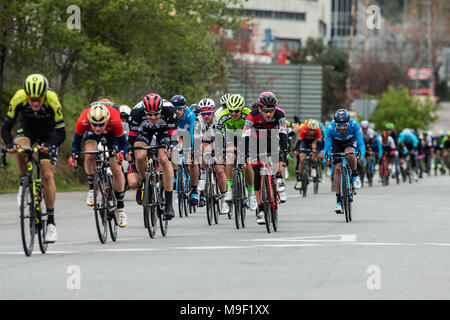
column 438, row 146
column 389, row 149
column 195, row 109
column 205, row 130
column 371, row 141
column 344, row 134
column 96, row 121
column 223, row 106
column 41, row 120
column 446, row 148
column 231, row 124
column 254, row 105
column 266, row 123
column 159, row 127
column 407, row 139
column 390, row 130
column 308, row 138
column 186, row 119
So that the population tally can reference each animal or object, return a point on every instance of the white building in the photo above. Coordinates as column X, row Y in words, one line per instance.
column 290, row 22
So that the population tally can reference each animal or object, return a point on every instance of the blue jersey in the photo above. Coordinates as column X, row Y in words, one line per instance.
column 187, row 123
column 409, row 138
column 353, row 132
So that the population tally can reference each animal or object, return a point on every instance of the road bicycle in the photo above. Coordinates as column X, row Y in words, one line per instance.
column 211, row 191
column 368, row 170
column 33, row 220
column 240, row 196
column 270, row 198
column 183, row 186
column 153, row 201
column 346, row 185
column 105, row 202
column 307, row 173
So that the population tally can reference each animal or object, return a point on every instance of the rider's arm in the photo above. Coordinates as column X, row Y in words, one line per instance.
column 15, row 106
column 380, row 148
column 6, row 131
column 328, row 140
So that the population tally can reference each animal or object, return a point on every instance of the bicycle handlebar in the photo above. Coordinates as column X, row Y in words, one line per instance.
column 309, row 150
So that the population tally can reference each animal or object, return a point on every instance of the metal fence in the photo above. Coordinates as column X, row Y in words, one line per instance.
column 298, row 87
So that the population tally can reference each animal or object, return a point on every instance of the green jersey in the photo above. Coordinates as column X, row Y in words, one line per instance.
column 226, row 123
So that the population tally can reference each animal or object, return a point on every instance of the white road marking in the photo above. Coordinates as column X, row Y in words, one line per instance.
column 129, row 250
column 288, row 245
column 438, row 244
column 342, row 238
column 381, row 244
column 211, row 248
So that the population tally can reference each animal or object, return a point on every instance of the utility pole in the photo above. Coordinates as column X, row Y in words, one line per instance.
column 425, row 41
column 350, row 53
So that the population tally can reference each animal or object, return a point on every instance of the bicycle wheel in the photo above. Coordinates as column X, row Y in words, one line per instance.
column 113, row 219
column 266, row 203
column 210, row 205
column 27, row 217
column 42, row 232
column 187, row 200
column 304, row 183
column 244, row 201
column 216, row 193
column 237, row 198
column 163, row 222
column 149, row 206
column 274, row 207
column 180, row 191
column 345, row 194
column 100, row 208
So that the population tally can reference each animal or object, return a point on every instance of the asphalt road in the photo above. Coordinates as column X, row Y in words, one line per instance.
column 397, row 247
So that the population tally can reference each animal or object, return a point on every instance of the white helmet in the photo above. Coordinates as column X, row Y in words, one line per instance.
column 125, row 109
column 207, row 102
column 365, row 124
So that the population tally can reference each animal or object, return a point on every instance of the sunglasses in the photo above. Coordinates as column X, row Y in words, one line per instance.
column 235, row 111
column 268, row 110
column 152, row 114
column 342, row 125
column 40, row 99
column 206, row 114
column 179, row 108
column 98, row 124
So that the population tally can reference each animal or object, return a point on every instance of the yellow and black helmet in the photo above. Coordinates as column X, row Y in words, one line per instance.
column 35, row 85
column 313, row 124
column 235, row 102
column 98, row 113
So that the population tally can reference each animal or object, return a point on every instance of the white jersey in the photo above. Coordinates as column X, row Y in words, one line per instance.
column 217, row 114
column 204, row 131
column 389, row 143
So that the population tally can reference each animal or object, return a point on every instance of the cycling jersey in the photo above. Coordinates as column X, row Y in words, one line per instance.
column 409, row 139
column 372, row 141
column 48, row 121
column 204, row 131
column 186, row 125
column 388, row 145
column 235, row 127
column 217, row 114
column 113, row 131
column 351, row 138
column 257, row 127
column 310, row 135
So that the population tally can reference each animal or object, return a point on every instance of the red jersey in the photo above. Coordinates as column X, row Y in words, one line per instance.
column 113, row 125
column 310, row 135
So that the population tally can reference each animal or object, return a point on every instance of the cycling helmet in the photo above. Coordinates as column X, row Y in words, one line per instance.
column 35, row 85
column 389, row 126
column 441, row 133
column 98, row 113
column 365, row 124
column 235, row 102
column 178, row 101
column 224, row 98
column 267, row 99
column 341, row 116
column 195, row 108
column 254, row 105
column 152, row 103
column 313, row 124
column 124, row 110
column 207, row 103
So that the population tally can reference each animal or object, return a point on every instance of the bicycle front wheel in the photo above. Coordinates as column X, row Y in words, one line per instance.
column 112, row 215
column 100, row 208
column 346, row 194
column 237, row 198
column 149, row 205
column 210, row 205
column 27, row 218
column 266, row 203
column 163, row 222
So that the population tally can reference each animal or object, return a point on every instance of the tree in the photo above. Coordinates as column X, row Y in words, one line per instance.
column 398, row 107
column 335, row 70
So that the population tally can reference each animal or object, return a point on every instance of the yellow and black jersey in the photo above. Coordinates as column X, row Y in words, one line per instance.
column 47, row 123
column 47, row 118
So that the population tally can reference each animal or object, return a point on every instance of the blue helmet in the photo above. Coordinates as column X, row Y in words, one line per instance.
column 341, row 116
column 178, row 101
column 195, row 108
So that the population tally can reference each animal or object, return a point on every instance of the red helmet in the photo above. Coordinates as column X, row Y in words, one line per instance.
column 267, row 99
column 152, row 103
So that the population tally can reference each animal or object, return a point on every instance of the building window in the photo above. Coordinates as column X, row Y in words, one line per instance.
column 268, row 14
